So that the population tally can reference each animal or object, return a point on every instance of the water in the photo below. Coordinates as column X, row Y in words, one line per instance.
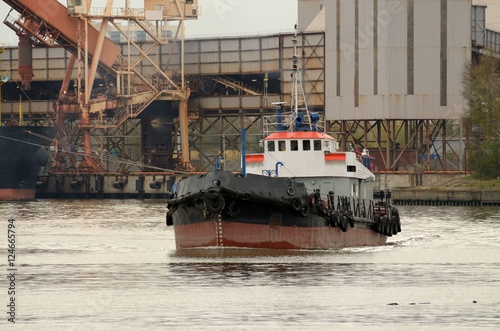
column 108, row 264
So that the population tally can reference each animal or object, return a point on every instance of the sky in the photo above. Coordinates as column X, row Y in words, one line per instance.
column 218, row 17
column 222, row 17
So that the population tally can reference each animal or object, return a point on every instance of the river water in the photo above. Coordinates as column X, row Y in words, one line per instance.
column 109, row 264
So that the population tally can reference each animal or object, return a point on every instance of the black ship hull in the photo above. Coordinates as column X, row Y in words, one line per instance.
column 223, row 209
column 23, row 150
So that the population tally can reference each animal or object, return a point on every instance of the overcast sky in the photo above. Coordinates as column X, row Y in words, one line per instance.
column 242, row 17
column 217, row 17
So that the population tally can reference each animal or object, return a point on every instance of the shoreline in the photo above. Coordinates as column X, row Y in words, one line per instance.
column 463, row 191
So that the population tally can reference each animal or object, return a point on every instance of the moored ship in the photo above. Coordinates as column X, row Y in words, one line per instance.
column 23, row 150
column 301, row 192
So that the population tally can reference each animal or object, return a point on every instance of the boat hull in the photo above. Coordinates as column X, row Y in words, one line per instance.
column 23, row 150
column 253, row 216
column 218, row 233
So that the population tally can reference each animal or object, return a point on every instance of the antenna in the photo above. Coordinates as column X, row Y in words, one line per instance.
column 302, row 116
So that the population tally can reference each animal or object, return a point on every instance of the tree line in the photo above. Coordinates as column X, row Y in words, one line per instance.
column 481, row 82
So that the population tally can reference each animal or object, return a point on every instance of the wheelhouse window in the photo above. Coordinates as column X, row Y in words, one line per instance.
column 270, row 146
column 294, row 145
column 306, row 145
column 282, row 145
column 317, row 145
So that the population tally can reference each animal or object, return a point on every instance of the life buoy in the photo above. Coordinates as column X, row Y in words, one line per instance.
column 214, row 202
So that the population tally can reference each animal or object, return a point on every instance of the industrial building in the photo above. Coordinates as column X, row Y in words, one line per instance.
column 385, row 74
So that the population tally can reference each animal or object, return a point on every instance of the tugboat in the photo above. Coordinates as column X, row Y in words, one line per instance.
column 301, row 192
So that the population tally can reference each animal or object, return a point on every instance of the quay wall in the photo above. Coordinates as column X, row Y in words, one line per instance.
column 430, row 188
column 406, row 188
column 115, row 186
column 445, row 197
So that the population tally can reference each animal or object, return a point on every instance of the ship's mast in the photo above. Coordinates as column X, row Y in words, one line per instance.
column 298, row 100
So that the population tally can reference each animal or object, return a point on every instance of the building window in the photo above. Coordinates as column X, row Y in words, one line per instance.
column 114, row 36
column 306, row 145
column 270, row 146
column 294, row 145
column 141, row 36
column 282, row 145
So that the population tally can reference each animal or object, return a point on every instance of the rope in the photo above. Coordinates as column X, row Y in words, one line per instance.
column 97, row 158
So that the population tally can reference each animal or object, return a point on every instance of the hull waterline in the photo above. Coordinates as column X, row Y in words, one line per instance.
column 232, row 234
column 221, row 209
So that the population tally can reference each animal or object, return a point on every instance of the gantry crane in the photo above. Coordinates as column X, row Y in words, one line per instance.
column 129, row 89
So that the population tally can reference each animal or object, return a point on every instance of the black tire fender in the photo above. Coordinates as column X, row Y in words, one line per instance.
column 383, row 224
column 214, row 202
column 199, row 204
column 304, row 211
column 170, row 220
column 351, row 221
column 376, row 225
column 296, row 204
column 334, row 220
column 343, row 223
column 386, row 229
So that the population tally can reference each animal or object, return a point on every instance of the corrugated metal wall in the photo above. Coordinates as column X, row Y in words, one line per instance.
column 397, row 59
column 239, row 56
column 48, row 63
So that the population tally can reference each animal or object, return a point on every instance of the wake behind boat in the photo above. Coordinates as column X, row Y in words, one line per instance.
column 301, row 192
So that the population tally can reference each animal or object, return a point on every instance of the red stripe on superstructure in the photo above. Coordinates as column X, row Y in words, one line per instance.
column 252, row 158
column 298, row 135
column 335, row 157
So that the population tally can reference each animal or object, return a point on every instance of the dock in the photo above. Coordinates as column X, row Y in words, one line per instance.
column 105, row 186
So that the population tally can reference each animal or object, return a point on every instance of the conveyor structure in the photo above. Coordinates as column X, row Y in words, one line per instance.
column 128, row 89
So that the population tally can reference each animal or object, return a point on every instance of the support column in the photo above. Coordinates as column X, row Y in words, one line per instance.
column 428, row 144
column 388, row 145
column 184, row 128
column 445, row 141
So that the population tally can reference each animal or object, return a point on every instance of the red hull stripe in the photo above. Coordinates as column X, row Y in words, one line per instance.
column 7, row 194
column 299, row 135
column 252, row 158
column 232, row 234
column 335, row 157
